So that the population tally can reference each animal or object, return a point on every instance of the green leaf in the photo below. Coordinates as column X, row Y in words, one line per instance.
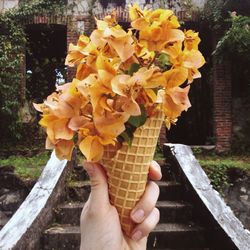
column 127, row 136
column 133, row 68
column 164, row 61
column 138, row 121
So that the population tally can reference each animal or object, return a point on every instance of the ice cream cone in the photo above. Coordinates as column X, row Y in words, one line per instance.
column 128, row 170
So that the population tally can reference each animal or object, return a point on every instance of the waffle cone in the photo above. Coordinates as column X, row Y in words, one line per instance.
column 127, row 171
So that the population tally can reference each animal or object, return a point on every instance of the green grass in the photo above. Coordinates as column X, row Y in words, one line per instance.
column 241, row 162
column 218, row 168
column 27, row 167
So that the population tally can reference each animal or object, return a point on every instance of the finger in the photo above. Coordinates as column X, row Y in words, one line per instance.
column 99, row 187
column 154, row 171
column 142, row 230
column 147, row 203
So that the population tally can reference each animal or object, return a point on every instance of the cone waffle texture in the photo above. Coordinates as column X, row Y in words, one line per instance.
column 128, row 170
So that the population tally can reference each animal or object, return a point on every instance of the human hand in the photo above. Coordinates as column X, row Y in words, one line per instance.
column 100, row 224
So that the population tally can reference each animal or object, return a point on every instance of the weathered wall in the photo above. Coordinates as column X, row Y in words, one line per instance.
column 241, row 124
column 7, row 4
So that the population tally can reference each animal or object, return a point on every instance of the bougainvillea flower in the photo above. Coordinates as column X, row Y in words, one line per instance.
column 175, row 101
column 142, row 19
column 99, row 95
column 142, row 52
column 111, row 124
column 156, row 42
column 156, row 28
column 56, row 128
column 175, row 77
column 192, row 40
column 91, row 148
column 135, row 12
column 83, row 70
column 75, row 55
column 123, row 86
column 164, row 17
column 149, row 78
column 77, row 122
column 121, row 74
column 104, row 63
column 64, row 149
column 122, row 45
column 193, row 60
column 115, row 37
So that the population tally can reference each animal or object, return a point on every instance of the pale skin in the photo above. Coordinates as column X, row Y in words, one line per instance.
column 100, row 225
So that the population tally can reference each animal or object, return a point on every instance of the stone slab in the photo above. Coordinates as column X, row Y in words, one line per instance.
column 210, row 197
column 23, row 230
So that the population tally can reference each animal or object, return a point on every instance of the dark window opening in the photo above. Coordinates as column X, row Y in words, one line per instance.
column 105, row 3
column 45, row 55
column 195, row 127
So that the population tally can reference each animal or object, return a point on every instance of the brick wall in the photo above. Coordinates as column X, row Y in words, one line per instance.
column 222, row 100
column 72, row 37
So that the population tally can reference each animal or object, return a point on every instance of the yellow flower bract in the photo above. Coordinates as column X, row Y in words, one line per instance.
column 118, row 73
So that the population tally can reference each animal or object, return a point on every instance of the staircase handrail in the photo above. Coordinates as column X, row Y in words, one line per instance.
column 25, row 227
column 212, row 200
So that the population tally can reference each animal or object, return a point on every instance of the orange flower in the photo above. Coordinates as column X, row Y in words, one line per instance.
column 128, row 89
column 56, row 128
column 192, row 40
column 115, row 37
column 64, row 149
column 118, row 75
column 156, row 28
column 192, row 60
column 76, row 53
column 175, row 101
column 175, row 77
column 91, row 148
column 110, row 124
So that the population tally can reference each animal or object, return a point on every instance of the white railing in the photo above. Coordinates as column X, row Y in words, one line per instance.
column 212, row 200
column 25, row 227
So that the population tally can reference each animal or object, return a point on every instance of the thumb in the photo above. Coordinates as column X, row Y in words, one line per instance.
column 99, row 196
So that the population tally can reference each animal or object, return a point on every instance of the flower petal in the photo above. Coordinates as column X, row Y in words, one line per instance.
column 91, row 148
column 64, row 149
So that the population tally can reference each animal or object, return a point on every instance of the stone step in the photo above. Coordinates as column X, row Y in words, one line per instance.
column 167, row 175
column 4, row 217
column 171, row 211
column 168, row 235
column 79, row 190
column 175, row 235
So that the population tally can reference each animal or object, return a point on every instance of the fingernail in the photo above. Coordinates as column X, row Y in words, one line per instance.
column 89, row 167
column 137, row 235
column 138, row 215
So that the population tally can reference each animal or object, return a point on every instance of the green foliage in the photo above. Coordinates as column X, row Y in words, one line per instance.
column 27, row 167
column 217, row 168
column 133, row 68
column 138, row 121
column 164, row 61
column 236, row 42
column 158, row 156
column 213, row 13
column 12, row 49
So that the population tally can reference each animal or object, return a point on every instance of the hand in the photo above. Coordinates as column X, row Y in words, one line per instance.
column 100, row 225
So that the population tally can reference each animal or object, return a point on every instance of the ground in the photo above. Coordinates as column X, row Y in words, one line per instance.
column 221, row 169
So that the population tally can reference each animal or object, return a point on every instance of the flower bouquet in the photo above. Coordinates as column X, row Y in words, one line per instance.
column 126, row 84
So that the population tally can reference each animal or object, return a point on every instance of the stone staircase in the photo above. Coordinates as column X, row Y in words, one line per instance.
column 177, row 228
